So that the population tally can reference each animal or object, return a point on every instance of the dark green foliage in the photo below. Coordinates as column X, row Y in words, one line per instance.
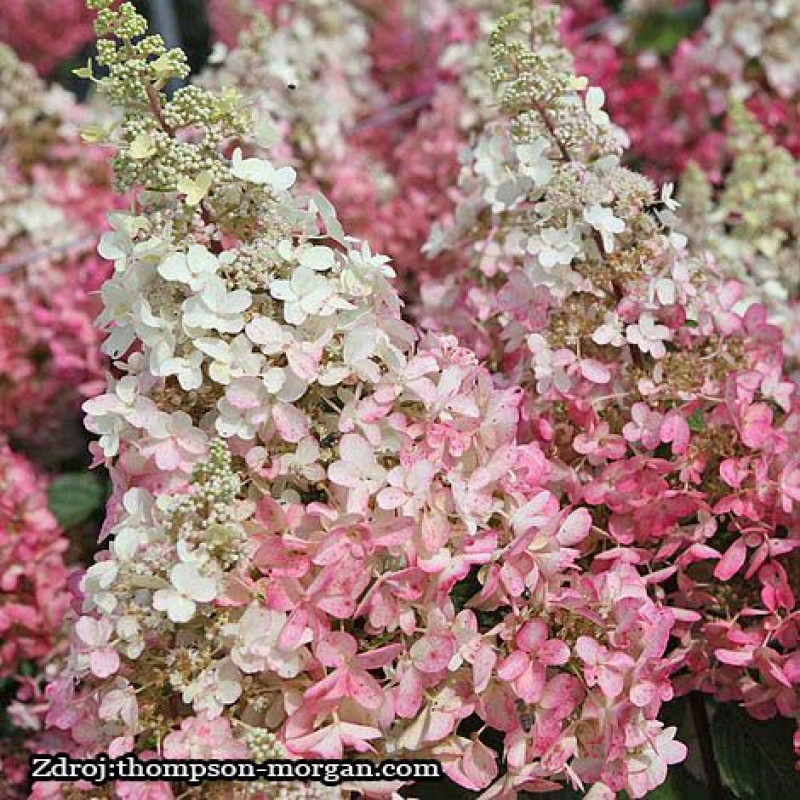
column 75, row 496
column 755, row 758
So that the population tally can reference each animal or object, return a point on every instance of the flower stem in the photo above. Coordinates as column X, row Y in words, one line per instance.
column 697, row 703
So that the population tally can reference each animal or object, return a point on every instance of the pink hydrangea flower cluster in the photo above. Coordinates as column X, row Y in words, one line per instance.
column 33, row 602
column 327, row 537
column 67, row 28
column 55, row 192
column 667, row 414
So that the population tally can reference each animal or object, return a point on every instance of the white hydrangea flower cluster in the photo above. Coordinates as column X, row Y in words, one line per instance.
column 548, row 205
column 749, row 223
column 307, row 73
column 29, row 110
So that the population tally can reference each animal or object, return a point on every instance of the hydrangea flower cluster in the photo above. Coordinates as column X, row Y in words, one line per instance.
column 673, row 109
column 325, row 538
column 68, row 28
column 380, row 63
column 307, row 72
column 748, row 223
column 33, row 601
column 55, row 192
column 422, row 55
column 666, row 414
column 748, row 33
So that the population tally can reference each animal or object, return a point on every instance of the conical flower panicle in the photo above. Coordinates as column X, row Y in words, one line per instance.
column 666, row 413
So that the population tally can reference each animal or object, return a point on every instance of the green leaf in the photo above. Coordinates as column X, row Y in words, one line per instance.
column 696, row 421
column 680, row 785
column 662, row 30
column 85, row 71
column 74, row 497
column 755, row 758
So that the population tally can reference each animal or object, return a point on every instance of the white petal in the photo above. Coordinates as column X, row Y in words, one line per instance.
column 173, row 268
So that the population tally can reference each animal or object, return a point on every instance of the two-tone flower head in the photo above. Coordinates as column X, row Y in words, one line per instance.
column 666, row 413
column 325, row 538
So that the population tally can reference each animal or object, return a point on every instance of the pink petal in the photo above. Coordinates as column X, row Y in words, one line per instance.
column 479, row 764
column 757, row 425
column 671, row 751
column 512, row 666
column 335, row 648
column 575, row 527
column 697, row 552
column 594, row 371
column 104, row 662
column 482, row 666
column 588, row 649
column 364, row 689
column 553, row 653
column 293, row 633
column 302, row 364
column 433, row 652
column 355, row 734
column 610, row 682
column 375, row 659
column 643, row 694
column 512, row 580
column 389, row 499
column 530, row 685
column 675, row 429
column 244, row 394
column 732, row 561
column 290, row 422
column 408, row 697
column 324, row 743
column 734, row 658
column 561, row 692
column 532, row 635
